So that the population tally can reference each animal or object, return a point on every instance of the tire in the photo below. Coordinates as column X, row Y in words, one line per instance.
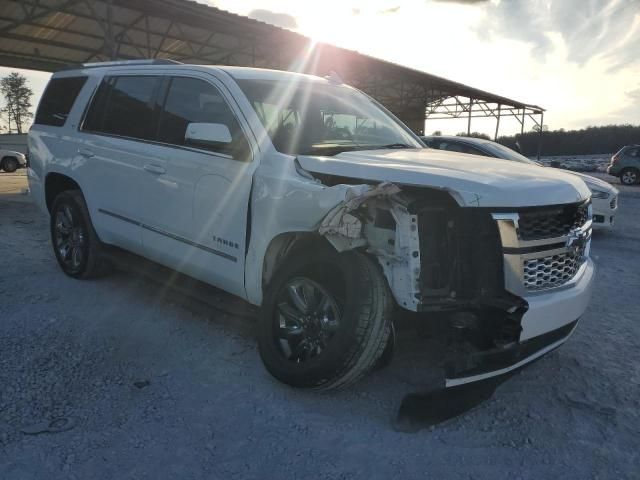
column 347, row 334
column 630, row 176
column 75, row 243
column 10, row 164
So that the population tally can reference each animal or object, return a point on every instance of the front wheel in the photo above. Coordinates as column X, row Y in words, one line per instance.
column 325, row 321
column 629, row 176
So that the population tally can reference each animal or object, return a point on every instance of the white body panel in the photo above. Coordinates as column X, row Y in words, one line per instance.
column 549, row 311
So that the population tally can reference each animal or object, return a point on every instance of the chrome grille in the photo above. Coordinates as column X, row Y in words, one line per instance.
column 552, row 271
column 614, row 202
column 544, row 248
column 551, row 223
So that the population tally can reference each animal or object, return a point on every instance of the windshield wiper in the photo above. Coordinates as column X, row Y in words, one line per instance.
column 396, row 145
column 333, row 150
column 336, row 149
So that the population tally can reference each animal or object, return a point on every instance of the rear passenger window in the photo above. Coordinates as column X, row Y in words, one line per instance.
column 190, row 100
column 58, row 99
column 123, row 106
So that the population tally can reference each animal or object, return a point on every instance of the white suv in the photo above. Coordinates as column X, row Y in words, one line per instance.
column 306, row 197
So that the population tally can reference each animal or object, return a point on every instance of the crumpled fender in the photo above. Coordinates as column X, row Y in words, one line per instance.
column 284, row 200
column 340, row 222
column 291, row 201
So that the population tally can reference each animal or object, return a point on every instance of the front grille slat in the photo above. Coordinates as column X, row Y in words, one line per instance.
column 552, row 271
column 551, row 223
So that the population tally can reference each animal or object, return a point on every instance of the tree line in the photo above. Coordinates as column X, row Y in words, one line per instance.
column 587, row 141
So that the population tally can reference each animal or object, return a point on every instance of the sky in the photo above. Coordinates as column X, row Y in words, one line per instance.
column 579, row 59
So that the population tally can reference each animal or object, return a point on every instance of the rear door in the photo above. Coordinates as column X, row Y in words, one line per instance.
column 114, row 138
column 195, row 207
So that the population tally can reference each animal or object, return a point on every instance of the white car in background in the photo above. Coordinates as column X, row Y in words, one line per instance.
column 604, row 197
column 10, row 161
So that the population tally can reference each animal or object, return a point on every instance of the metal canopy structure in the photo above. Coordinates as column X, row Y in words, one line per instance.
column 51, row 34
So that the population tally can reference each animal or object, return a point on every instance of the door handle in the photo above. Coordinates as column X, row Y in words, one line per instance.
column 157, row 169
column 86, row 153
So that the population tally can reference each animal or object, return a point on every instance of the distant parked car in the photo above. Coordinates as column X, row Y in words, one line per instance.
column 626, row 165
column 604, row 197
column 10, row 161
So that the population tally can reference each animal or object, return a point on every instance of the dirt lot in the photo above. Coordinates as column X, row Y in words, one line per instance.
column 155, row 384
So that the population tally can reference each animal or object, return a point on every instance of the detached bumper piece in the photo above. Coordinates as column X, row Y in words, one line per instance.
column 492, row 363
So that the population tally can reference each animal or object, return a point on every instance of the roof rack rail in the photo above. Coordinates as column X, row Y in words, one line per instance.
column 116, row 63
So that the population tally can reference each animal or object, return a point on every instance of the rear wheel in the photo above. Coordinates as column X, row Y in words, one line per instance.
column 10, row 164
column 326, row 320
column 75, row 242
column 629, row 176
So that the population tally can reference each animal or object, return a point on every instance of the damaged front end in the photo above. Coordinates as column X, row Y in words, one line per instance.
column 442, row 261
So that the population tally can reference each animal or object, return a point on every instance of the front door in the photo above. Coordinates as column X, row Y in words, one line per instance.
column 194, row 212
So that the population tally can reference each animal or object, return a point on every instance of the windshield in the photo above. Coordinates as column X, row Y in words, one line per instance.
column 304, row 117
column 506, row 153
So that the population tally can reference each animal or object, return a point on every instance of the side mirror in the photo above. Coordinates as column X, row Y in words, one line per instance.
column 207, row 135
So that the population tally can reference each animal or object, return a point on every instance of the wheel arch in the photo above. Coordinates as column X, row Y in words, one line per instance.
column 284, row 244
column 56, row 183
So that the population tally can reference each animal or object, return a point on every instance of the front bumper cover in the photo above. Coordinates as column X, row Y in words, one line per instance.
column 546, row 325
column 500, row 361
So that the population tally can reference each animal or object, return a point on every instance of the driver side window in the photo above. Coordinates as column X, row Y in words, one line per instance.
column 191, row 100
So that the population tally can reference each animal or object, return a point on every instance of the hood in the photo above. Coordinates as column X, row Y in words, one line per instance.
column 475, row 181
column 596, row 182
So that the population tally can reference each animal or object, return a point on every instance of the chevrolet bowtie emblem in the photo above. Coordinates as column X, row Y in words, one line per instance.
column 576, row 240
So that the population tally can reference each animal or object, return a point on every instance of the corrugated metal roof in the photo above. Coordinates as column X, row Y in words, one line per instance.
column 49, row 34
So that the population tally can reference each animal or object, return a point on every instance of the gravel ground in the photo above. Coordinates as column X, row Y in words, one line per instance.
column 155, row 384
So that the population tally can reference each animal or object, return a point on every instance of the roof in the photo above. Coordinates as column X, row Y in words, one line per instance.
column 50, row 34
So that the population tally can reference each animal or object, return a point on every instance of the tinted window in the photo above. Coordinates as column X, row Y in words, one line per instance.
column 473, row 151
column 452, row 147
column 633, row 152
column 506, row 153
column 462, row 148
column 58, row 99
column 122, row 106
column 190, row 100
column 95, row 115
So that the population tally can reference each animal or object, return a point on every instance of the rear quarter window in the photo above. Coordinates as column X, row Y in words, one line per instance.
column 58, row 99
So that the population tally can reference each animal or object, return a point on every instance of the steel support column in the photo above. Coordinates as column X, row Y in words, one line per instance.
column 540, row 134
